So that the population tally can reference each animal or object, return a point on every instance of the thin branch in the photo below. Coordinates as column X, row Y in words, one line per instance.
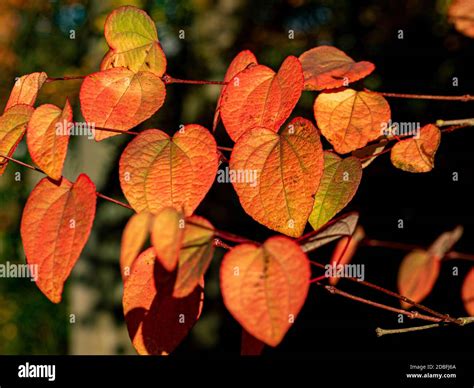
column 167, row 79
column 444, row 317
column 34, row 168
column 381, row 332
column 464, row 98
column 409, row 314
column 125, row 205
column 67, row 78
column 225, row 148
column 459, row 122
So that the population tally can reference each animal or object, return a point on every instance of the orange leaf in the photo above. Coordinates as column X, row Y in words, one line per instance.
column 157, row 171
column 286, row 170
column 468, row 292
column 339, row 183
column 344, row 253
column 417, row 155
column 250, row 346
column 132, row 37
column 12, row 129
column 265, row 287
column 327, row 67
column 259, row 97
column 461, row 13
column 134, row 236
column 417, row 276
column 242, row 61
column 26, row 89
column 55, row 226
column 48, row 137
column 350, row 119
column 195, row 255
column 120, row 99
column 156, row 321
column 167, row 235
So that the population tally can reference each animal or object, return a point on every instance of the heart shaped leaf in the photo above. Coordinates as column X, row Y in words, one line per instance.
column 55, row 227
column 285, row 171
column 417, row 155
column 265, row 287
column 349, row 119
column 120, row 99
column 157, row 171
column 259, row 97
column 467, row 292
column 132, row 37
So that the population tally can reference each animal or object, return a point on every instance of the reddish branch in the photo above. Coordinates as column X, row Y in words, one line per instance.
column 464, row 98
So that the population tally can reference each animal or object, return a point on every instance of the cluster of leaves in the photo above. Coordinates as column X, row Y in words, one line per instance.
column 164, row 179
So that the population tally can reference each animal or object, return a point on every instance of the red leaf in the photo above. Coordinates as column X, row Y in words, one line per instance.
column 156, row 321
column 250, row 346
column 265, row 287
column 259, row 97
column 120, row 99
column 55, row 226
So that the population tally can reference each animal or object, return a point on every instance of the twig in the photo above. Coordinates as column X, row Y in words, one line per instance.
column 460, row 122
column 167, row 79
column 67, row 78
column 464, row 98
column 381, row 332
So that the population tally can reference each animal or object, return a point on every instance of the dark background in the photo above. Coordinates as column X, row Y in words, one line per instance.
column 35, row 36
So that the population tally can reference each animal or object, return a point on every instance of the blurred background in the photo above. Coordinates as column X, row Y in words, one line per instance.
column 36, row 36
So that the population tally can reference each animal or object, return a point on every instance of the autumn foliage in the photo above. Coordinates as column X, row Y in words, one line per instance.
column 166, row 248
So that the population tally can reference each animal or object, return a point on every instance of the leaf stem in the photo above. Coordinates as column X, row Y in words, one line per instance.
column 66, row 78
column 117, row 202
column 167, row 79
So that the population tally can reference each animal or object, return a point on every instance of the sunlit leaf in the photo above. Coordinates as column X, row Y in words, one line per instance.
column 167, row 233
column 350, row 119
column 467, row 292
column 56, row 223
column 120, row 99
column 12, row 129
column 242, row 61
column 157, row 171
column 195, row 255
column 156, row 321
column 26, row 89
column 461, row 13
column 417, row 155
column 134, row 236
column 285, row 171
column 339, row 183
column 132, row 37
column 47, row 137
column 259, row 97
column 417, row 275
column 343, row 226
column 326, row 67
column 264, row 287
